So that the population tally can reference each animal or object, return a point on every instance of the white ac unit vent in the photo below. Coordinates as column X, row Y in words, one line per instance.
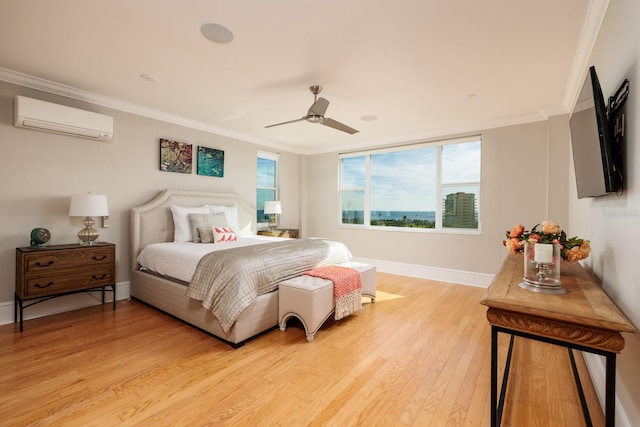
column 46, row 116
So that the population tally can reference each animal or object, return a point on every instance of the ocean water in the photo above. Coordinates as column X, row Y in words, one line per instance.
column 396, row 215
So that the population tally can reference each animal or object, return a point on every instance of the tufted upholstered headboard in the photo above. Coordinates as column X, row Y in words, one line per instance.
column 152, row 222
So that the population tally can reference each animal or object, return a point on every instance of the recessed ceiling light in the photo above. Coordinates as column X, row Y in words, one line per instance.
column 369, row 118
column 148, row 78
column 216, row 33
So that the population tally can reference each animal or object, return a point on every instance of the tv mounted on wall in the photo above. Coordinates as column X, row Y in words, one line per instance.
column 596, row 154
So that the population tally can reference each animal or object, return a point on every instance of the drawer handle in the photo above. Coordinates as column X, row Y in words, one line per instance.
column 39, row 286
column 38, row 264
column 94, row 277
column 95, row 258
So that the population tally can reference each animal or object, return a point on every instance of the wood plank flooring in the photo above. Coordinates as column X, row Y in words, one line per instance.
column 419, row 356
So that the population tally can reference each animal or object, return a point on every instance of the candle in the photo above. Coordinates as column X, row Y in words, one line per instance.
column 543, row 253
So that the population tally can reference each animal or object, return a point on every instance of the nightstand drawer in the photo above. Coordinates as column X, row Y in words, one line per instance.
column 44, row 284
column 288, row 233
column 38, row 262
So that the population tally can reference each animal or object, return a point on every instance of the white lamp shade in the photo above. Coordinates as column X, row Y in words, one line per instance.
column 272, row 207
column 88, row 205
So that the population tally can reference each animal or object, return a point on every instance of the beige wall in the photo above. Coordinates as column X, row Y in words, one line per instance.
column 527, row 176
column 41, row 170
column 611, row 222
column 519, row 185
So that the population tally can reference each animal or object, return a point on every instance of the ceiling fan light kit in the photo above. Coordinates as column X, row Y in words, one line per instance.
column 316, row 112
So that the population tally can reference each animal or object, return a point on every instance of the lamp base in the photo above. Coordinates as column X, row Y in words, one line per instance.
column 273, row 223
column 88, row 235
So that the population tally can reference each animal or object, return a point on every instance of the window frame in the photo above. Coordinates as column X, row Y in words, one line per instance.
column 439, row 187
column 275, row 157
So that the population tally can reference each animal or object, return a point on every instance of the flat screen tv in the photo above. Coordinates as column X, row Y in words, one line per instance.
column 596, row 158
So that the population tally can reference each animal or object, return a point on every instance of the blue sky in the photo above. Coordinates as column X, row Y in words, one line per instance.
column 406, row 180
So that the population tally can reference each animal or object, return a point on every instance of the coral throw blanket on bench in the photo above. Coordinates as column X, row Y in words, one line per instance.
column 347, row 287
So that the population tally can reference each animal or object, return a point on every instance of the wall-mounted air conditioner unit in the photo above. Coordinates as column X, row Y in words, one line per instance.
column 46, row 116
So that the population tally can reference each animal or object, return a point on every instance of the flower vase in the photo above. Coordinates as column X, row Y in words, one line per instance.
column 542, row 268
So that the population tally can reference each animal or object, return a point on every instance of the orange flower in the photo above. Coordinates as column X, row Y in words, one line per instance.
column 516, row 231
column 550, row 227
column 572, row 249
column 579, row 252
column 535, row 238
column 514, row 245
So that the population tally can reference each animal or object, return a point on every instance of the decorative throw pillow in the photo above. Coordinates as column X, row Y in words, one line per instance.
column 181, row 225
column 223, row 234
column 206, row 234
column 205, row 221
column 231, row 212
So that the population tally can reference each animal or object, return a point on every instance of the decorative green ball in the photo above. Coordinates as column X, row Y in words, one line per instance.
column 39, row 236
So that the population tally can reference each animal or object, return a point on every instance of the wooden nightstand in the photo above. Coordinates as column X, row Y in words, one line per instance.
column 57, row 270
column 289, row 232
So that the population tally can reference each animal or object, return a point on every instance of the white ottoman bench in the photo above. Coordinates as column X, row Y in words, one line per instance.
column 310, row 299
column 367, row 275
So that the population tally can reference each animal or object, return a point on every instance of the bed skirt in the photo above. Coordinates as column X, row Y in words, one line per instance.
column 260, row 316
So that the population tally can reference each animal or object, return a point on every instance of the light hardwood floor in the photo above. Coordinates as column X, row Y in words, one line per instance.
column 419, row 356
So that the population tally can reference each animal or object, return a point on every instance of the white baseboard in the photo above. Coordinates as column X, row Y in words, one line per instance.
column 81, row 300
column 460, row 277
column 61, row 304
column 597, row 370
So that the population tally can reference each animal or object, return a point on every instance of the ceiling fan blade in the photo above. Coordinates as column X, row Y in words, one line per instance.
column 285, row 123
column 337, row 125
column 318, row 108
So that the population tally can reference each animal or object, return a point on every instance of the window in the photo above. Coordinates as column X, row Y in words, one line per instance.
column 267, row 183
column 423, row 186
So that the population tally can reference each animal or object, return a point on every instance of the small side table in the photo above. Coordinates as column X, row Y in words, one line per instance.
column 292, row 233
column 56, row 270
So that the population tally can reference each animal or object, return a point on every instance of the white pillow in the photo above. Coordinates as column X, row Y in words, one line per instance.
column 231, row 212
column 181, row 224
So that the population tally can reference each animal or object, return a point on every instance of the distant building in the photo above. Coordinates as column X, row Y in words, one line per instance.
column 460, row 211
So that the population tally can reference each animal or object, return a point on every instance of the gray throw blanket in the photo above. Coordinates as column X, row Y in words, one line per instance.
column 228, row 281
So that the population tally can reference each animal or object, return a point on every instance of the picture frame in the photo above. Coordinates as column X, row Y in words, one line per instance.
column 175, row 156
column 210, row 162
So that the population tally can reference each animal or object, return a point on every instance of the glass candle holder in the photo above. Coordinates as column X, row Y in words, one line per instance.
column 542, row 268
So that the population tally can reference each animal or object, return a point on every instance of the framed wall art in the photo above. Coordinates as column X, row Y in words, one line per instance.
column 175, row 156
column 210, row 162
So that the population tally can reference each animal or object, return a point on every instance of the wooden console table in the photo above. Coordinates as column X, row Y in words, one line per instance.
column 583, row 319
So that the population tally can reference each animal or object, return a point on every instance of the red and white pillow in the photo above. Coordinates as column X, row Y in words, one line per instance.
column 223, row 234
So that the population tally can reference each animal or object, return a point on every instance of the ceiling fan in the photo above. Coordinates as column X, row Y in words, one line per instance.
column 316, row 114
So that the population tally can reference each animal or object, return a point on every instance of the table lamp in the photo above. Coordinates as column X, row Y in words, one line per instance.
column 88, row 206
column 272, row 208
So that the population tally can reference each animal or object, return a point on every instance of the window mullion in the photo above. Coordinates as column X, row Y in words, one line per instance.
column 438, row 186
column 367, row 194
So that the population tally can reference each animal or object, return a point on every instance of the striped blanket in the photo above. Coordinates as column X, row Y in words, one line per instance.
column 347, row 287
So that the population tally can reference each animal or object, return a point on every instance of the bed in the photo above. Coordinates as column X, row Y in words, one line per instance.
column 152, row 224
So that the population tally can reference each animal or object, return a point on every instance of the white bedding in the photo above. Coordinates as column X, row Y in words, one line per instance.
column 179, row 260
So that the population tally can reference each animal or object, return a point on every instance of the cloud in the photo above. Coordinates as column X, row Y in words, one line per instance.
column 405, row 180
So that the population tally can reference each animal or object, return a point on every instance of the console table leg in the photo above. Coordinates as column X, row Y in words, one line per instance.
column 583, row 400
column 610, row 399
column 494, row 376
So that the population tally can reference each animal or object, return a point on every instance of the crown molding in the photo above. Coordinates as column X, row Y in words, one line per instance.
column 52, row 87
column 37, row 83
column 596, row 13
